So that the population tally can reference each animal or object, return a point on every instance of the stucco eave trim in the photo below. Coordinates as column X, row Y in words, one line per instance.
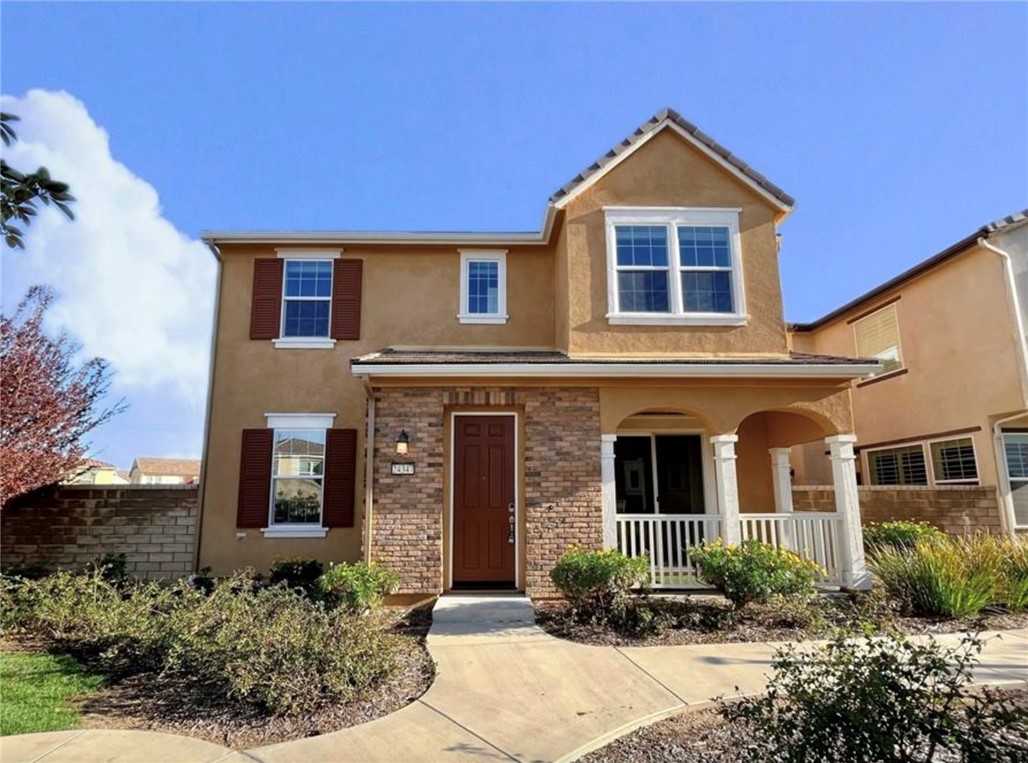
column 616, row 370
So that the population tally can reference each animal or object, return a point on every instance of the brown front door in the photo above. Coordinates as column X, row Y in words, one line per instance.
column 483, row 500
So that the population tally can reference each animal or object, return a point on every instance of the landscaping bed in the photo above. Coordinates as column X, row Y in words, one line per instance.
column 240, row 661
column 700, row 736
column 711, row 619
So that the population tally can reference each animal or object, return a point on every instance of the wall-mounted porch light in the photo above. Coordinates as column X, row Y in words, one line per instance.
column 402, row 442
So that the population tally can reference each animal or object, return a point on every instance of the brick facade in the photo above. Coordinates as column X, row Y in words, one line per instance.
column 66, row 527
column 561, row 466
column 957, row 509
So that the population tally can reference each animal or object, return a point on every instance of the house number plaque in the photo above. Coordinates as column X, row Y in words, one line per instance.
column 402, row 469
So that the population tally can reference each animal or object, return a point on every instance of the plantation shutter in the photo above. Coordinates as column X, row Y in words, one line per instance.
column 266, row 306
column 340, row 477
column 878, row 337
column 346, row 299
column 255, row 478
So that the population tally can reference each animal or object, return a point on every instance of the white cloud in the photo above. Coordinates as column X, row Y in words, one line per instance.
column 131, row 287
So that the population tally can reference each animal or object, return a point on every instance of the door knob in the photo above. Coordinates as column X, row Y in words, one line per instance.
column 510, row 507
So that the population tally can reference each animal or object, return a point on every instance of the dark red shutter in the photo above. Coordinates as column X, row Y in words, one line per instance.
column 255, row 478
column 266, row 307
column 346, row 299
column 340, row 477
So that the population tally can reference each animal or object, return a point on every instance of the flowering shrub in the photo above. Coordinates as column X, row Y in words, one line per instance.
column 754, row 572
column 898, row 534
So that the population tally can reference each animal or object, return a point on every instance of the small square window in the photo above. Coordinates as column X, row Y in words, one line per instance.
column 483, row 286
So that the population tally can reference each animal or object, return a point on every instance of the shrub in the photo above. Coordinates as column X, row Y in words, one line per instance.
column 950, row 577
column 112, row 567
column 598, row 583
column 357, row 587
column 898, row 534
column 882, row 699
column 296, row 572
column 277, row 649
column 754, row 572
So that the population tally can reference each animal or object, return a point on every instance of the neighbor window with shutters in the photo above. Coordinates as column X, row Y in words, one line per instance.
column 674, row 266
column 898, row 466
column 306, row 298
column 297, row 476
column 483, row 286
column 932, row 462
column 953, row 462
column 1015, row 448
column 878, row 337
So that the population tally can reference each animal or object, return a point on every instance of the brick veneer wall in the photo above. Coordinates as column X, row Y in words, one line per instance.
column 957, row 509
column 155, row 527
column 562, row 501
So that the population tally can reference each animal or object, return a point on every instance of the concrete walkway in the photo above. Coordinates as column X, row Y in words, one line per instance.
column 504, row 691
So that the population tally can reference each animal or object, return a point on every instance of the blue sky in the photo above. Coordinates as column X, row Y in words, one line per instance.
column 898, row 128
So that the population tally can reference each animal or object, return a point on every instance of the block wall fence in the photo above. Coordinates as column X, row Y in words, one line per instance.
column 68, row 526
column 956, row 509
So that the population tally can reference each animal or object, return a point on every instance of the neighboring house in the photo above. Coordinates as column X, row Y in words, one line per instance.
column 950, row 406
column 164, row 471
column 463, row 407
column 94, row 472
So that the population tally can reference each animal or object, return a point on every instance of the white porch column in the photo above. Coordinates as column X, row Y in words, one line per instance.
column 781, row 480
column 727, row 486
column 847, row 507
column 610, row 530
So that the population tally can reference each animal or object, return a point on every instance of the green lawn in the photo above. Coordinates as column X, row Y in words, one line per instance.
column 38, row 692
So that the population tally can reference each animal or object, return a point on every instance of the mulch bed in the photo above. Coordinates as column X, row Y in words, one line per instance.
column 708, row 619
column 144, row 702
column 701, row 736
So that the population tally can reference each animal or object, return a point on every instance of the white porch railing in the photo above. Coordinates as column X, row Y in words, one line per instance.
column 811, row 535
column 665, row 539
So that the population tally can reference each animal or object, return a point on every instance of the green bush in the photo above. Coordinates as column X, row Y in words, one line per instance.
column 598, row 583
column 898, row 534
column 113, row 567
column 269, row 646
column 950, row 577
column 296, row 572
column 359, row 587
column 754, row 572
column 882, row 699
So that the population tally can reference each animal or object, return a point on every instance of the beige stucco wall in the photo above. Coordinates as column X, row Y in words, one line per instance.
column 409, row 298
column 667, row 171
column 960, row 356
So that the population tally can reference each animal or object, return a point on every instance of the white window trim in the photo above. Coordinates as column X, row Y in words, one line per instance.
column 926, row 453
column 1010, row 480
column 304, row 342
column 467, row 256
column 309, row 254
column 296, row 421
column 899, row 340
column 672, row 217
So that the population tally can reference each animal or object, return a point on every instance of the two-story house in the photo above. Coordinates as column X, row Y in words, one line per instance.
column 950, row 407
column 463, row 407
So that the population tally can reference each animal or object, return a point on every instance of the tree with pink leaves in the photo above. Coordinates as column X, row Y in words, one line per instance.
column 49, row 401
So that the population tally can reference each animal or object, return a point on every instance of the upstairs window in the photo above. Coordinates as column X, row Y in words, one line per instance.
column 877, row 336
column 483, row 286
column 674, row 266
column 307, row 298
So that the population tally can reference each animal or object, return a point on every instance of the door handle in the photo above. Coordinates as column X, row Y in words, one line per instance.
column 510, row 507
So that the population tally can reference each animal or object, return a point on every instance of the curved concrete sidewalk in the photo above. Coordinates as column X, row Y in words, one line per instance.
column 504, row 691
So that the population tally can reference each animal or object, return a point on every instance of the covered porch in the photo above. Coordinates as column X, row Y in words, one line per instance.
column 675, row 476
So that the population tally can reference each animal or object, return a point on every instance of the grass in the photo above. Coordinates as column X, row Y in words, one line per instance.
column 38, row 692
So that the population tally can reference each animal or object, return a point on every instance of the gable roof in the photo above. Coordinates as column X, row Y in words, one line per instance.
column 666, row 118
column 168, row 467
column 669, row 118
column 989, row 229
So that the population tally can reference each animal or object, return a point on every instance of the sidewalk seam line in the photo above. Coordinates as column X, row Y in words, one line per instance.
column 652, row 677
column 69, row 740
column 461, row 725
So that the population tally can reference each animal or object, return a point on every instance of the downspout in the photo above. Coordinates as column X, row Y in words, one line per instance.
column 999, row 453
column 369, row 467
column 201, row 498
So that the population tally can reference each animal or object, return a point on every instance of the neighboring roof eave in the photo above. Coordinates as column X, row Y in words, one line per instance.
column 612, row 370
column 1002, row 225
column 669, row 118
